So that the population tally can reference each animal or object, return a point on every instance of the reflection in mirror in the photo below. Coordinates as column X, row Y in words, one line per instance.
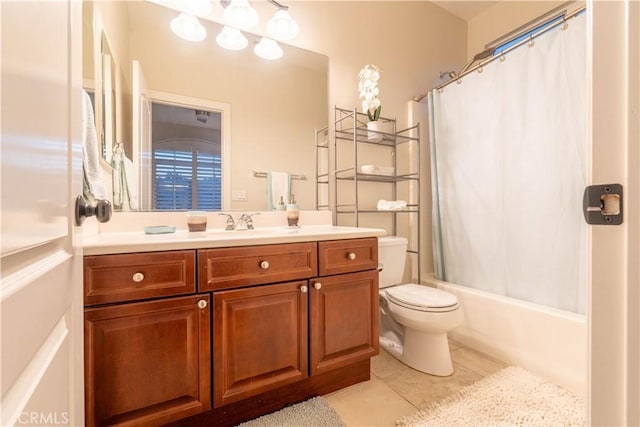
column 276, row 105
column 186, row 151
column 107, row 133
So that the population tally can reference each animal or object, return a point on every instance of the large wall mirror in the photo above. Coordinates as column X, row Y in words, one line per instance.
column 261, row 115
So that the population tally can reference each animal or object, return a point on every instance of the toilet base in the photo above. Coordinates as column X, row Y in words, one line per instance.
column 424, row 352
column 427, row 353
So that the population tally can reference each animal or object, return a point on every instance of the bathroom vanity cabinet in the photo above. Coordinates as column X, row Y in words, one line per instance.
column 262, row 334
column 229, row 333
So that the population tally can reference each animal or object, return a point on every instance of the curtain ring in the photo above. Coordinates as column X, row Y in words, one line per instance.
column 531, row 43
column 459, row 81
column 564, row 26
column 502, row 57
column 480, row 69
column 440, row 90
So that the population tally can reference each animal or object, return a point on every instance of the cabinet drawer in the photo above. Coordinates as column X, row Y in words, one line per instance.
column 346, row 256
column 117, row 278
column 225, row 268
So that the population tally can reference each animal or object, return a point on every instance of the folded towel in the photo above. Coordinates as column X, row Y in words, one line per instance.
column 391, row 205
column 94, row 186
column 278, row 185
column 377, row 170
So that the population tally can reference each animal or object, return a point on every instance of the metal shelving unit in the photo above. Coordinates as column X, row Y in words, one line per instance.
column 351, row 138
column 322, row 168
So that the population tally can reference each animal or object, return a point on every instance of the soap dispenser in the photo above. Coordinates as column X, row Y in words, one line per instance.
column 293, row 212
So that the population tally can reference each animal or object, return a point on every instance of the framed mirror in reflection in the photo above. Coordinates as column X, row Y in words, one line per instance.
column 107, row 133
column 266, row 112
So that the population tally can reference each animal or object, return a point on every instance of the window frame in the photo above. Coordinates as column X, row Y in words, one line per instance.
column 225, row 132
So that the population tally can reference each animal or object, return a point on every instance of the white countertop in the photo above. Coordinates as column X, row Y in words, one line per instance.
column 138, row 241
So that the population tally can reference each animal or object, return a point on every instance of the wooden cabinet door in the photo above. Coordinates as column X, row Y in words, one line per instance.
column 148, row 362
column 260, row 340
column 343, row 320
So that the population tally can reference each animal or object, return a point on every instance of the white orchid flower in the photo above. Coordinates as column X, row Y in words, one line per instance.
column 369, row 92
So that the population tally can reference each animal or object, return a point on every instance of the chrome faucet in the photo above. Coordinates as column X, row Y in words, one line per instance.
column 245, row 222
column 230, row 225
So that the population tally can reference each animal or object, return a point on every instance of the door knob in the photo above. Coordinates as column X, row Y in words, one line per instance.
column 102, row 210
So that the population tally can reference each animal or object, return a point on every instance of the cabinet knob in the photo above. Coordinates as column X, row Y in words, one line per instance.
column 317, row 285
column 202, row 304
column 264, row 265
column 351, row 256
column 138, row 277
column 303, row 289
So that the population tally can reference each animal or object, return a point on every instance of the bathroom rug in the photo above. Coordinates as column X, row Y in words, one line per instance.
column 315, row 412
column 510, row 397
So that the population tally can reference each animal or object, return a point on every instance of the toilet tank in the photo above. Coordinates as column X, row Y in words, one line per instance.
column 392, row 253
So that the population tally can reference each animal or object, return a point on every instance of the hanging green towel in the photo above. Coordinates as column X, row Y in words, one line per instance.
column 278, row 186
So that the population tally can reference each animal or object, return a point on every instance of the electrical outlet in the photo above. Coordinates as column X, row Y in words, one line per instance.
column 239, row 195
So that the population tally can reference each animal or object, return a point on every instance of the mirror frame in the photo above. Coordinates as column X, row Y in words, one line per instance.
column 108, row 99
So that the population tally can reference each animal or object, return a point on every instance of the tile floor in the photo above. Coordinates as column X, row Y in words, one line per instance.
column 396, row 390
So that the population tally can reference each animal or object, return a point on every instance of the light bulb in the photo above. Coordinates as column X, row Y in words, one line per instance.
column 282, row 27
column 188, row 28
column 232, row 39
column 268, row 49
column 240, row 14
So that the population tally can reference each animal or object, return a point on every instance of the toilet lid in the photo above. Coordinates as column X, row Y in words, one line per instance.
column 421, row 297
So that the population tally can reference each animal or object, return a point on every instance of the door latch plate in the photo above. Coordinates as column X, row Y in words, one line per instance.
column 602, row 204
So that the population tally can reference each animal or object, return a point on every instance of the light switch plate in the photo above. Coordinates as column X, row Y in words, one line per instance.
column 239, row 195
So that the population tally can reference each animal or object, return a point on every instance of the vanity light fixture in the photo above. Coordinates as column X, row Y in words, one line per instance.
column 188, row 28
column 240, row 14
column 232, row 39
column 281, row 26
column 268, row 49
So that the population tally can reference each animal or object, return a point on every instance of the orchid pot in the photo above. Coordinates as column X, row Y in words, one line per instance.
column 377, row 129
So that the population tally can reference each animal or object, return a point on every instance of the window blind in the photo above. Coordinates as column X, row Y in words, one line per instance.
column 187, row 178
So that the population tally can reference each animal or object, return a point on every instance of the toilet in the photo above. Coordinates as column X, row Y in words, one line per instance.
column 414, row 319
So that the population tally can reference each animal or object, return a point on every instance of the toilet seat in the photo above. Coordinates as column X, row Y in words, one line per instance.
column 422, row 298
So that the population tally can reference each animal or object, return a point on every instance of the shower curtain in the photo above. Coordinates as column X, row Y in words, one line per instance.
column 509, row 166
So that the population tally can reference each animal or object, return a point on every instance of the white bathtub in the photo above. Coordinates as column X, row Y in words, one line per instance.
column 548, row 342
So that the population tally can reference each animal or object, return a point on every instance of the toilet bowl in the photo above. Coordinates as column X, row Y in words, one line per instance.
column 414, row 319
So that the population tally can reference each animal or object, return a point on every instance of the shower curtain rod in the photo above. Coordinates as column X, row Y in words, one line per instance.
column 568, row 14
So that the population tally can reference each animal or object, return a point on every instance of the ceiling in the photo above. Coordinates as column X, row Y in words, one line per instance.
column 465, row 9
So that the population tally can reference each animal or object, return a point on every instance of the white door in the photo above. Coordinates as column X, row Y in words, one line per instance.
column 41, row 290
column 142, row 136
column 614, row 300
